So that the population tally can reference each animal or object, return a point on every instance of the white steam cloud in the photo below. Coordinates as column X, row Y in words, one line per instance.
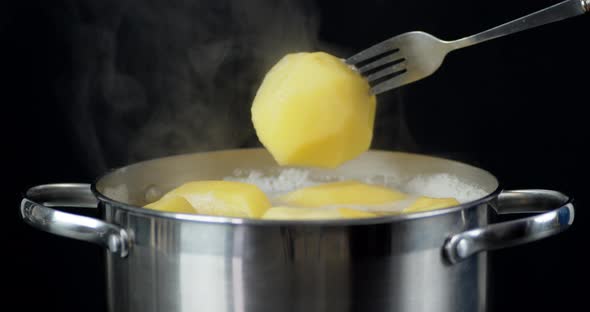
column 155, row 78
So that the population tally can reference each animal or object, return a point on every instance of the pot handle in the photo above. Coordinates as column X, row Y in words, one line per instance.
column 35, row 211
column 551, row 221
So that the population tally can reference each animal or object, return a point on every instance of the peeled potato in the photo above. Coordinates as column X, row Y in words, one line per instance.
column 312, row 109
column 341, row 193
column 293, row 213
column 172, row 204
column 424, row 203
column 223, row 198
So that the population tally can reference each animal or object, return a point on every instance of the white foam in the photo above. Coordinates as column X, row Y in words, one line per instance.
column 287, row 180
column 443, row 185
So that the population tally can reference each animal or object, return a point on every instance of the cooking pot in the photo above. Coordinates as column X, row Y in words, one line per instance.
column 162, row 261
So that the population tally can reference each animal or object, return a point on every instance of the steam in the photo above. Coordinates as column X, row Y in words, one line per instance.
column 156, row 78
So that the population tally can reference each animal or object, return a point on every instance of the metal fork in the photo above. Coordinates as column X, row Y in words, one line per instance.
column 415, row 55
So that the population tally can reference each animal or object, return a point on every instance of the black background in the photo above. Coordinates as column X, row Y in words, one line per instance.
column 515, row 106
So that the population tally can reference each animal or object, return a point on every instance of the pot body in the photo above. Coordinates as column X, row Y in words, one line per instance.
column 167, row 262
column 178, row 265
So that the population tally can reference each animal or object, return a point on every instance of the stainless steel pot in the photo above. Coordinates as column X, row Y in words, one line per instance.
column 429, row 261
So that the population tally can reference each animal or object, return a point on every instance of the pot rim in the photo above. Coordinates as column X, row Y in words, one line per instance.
column 324, row 222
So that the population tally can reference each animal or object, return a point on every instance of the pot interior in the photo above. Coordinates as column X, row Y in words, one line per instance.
column 144, row 182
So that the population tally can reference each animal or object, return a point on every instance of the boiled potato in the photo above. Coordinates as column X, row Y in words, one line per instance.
column 312, row 109
column 172, row 204
column 295, row 213
column 224, row 198
column 424, row 203
column 341, row 193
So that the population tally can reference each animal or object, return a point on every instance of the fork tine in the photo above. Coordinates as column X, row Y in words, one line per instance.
column 379, row 48
column 382, row 61
column 389, row 84
column 387, row 71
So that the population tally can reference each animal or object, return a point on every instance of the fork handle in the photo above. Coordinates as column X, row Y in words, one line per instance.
column 557, row 12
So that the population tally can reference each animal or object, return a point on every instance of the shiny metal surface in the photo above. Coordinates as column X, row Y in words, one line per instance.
column 177, row 265
column 180, row 262
column 416, row 55
column 559, row 218
column 109, row 236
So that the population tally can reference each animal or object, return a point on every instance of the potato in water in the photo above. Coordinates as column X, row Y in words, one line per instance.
column 221, row 198
column 341, row 193
column 312, row 109
column 319, row 202
column 172, row 204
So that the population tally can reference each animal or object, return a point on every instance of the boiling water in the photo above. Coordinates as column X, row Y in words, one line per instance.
column 284, row 180
column 435, row 185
